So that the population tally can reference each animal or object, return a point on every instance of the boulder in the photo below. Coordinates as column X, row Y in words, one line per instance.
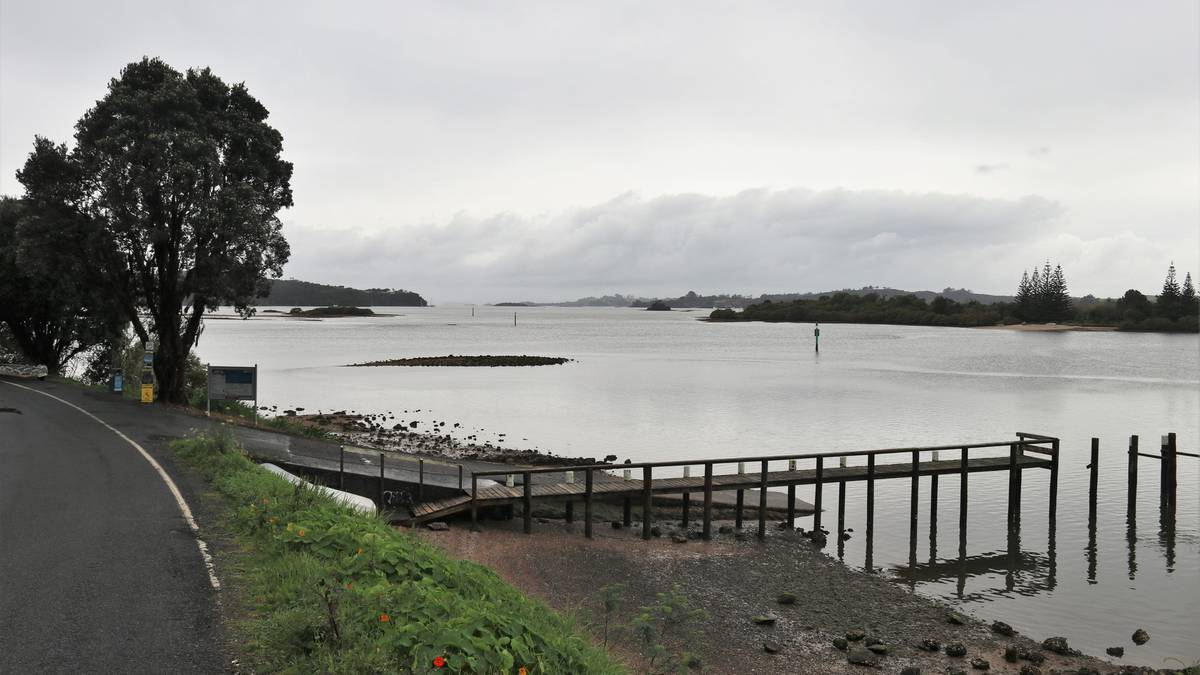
column 911, row 670
column 771, row 647
column 1140, row 636
column 1035, row 658
column 725, row 529
column 855, row 635
column 1058, row 645
column 656, row 531
column 956, row 619
column 1115, row 651
column 1011, row 654
column 862, row 657
column 679, row 538
column 980, row 664
column 929, row 645
column 1029, row 669
column 438, row 527
column 1003, row 628
column 841, row 643
column 616, row 525
column 878, row 648
column 956, row 649
column 786, row 598
column 765, row 619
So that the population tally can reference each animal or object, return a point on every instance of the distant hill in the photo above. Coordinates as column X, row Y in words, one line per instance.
column 692, row 300
column 956, row 294
column 296, row 293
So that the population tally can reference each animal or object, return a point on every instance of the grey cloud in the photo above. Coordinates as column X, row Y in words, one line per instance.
column 753, row 241
column 990, row 168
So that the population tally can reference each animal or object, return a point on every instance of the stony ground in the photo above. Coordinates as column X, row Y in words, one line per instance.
column 735, row 579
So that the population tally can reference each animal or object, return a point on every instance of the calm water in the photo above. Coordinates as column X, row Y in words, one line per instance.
column 657, row 385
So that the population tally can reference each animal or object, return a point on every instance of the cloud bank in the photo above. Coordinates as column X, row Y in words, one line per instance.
column 751, row 242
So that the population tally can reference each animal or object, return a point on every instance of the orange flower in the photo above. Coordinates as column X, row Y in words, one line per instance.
column 384, row 618
column 349, row 585
column 522, row 671
column 439, row 662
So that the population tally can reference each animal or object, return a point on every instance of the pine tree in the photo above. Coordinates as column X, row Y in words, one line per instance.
column 1034, row 313
column 1024, row 299
column 1189, row 291
column 1169, row 304
column 1057, row 298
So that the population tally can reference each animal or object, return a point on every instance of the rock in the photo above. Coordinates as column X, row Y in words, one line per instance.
column 929, row 645
column 679, row 538
column 1011, row 654
column 1003, row 628
column 1085, row 670
column 786, row 598
column 765, row 619
column 980, row 664
column 845, row 536
column 818, row 538
column 878, row 648
column 872, row 640
column 862, row 657
column 694, row 534
column 771, row 647
column 955, row 671
column 1140, row 636
column 1030, row 670
column 956, row 649
column 543, row 520
column 1115, row 651
column 725, row 529
column 1058, row 645
column 616, row 525
column 782, row 525
column 438, row 527
column 855, row 635
column 841, row 643
column 911, row 670
column 956, row 619
column 656, row 531
column 1035, row 658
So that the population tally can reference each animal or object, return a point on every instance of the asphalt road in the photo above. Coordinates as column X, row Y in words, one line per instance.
column 99, row 570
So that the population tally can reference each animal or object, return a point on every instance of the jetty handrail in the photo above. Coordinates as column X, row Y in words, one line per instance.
column 1026, row 445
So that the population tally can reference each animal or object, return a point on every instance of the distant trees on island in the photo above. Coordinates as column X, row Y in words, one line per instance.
column 1041, row 298
column 293, row 292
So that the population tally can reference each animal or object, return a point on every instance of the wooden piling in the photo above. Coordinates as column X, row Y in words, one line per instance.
column 870, row 500
column 420, row 480
column 627, row 512
column 687, row 507
column 737, row 510
column 791, row 507
column 381, row 481
column 962, row 494
column 647, row 484
column 1094, row 478
column 1013, row 497
column 341, row 467
column 933, row 499
column 587, row 504
column 841, row 508
column 1053, row 497
column 914, row 493
column 1172, row 472
column 527, row 501
column 1131, row 493
column 570, row 511
column 460, row 476
column 818, row 483
column 474, row 507
column 708, row 482
column 762, row 502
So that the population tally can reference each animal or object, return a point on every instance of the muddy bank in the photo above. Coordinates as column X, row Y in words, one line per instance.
column 735, row 578
column 482, row 361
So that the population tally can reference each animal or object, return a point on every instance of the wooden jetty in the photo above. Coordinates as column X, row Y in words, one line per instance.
column 629, row 482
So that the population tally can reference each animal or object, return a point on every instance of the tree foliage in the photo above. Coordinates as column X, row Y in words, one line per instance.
column 177, row 178
column 1043, row 297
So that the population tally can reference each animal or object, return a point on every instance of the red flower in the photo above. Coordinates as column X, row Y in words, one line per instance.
column 439, row 662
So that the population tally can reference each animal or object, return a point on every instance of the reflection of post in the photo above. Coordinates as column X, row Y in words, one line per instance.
column 962, row 497
column 1052, row 555
column 841, row 516
column 962, row 561
column 1131, row 543
column 933, row 504
column 912, row 499
column 912, row 556
column 1013, row 559
column 817, row 337
column 1092, row 484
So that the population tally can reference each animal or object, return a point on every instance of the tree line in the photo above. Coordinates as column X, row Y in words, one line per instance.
column 1042, row 297
column 164, row 209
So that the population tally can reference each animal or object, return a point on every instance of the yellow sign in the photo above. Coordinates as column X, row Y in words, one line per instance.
column 147, row 393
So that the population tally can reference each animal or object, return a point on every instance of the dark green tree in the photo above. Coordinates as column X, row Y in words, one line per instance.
column 180, row 179
column 1188, row 292
column 1169, row 300
column 1058, row 300
column 1024, row 299
column 51, row 309
column 1134, row 307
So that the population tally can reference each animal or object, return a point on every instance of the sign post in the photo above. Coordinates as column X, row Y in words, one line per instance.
column 148, row 373
column 233, row 383
column 817, row 337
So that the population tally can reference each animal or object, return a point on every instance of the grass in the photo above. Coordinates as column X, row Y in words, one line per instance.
column 336, row 591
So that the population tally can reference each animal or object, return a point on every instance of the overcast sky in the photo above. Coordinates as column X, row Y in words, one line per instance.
column 483, row 152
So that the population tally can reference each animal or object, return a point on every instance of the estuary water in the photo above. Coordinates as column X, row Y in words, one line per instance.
column 664, row 385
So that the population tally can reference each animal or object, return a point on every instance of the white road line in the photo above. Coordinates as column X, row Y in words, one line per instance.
column 183, row 506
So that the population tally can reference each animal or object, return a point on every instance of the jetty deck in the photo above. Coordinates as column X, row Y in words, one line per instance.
column 1030, row 451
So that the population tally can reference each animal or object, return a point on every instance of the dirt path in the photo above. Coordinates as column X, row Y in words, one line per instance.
column 733, row 580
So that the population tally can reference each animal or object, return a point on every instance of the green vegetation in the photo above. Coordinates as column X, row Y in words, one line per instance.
column 1041, row 297
column 336, row 591
column 486, row 360
column 164, row 209
column 290, row 292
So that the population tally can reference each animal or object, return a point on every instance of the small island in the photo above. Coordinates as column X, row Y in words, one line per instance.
column 331, row 312
column 658, row 306
column 486, row 360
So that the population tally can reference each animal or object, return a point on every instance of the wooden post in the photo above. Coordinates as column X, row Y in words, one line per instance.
column 962, row 496
column 646, row 500
column 627, row 512
column 762, row 502
column 737, row 510
column 1053, row 481
column 341, row 467
column 420, row 480
column 460, row 476
column 870, row 500
column 1131, row 496
column 791, row 507
column 381, row 481
column 527, row 501
column 1172, row 472
column 933, row 499
column 818, row 492
column 587, row 505
column 1012, row 485
column 570, row 511
column 687, row 507
column 1094, row 479
column 708, row 482
column 474, row 507
column 912, row 499
column 841, row 508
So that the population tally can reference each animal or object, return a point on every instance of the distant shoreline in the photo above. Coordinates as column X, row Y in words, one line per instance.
column 1050, row 328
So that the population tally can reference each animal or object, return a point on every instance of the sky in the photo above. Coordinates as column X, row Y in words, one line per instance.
column 486, row 152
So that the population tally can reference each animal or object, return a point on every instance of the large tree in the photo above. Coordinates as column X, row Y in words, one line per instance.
column 49, row 305
column 180, row 178
column 1169, row 302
